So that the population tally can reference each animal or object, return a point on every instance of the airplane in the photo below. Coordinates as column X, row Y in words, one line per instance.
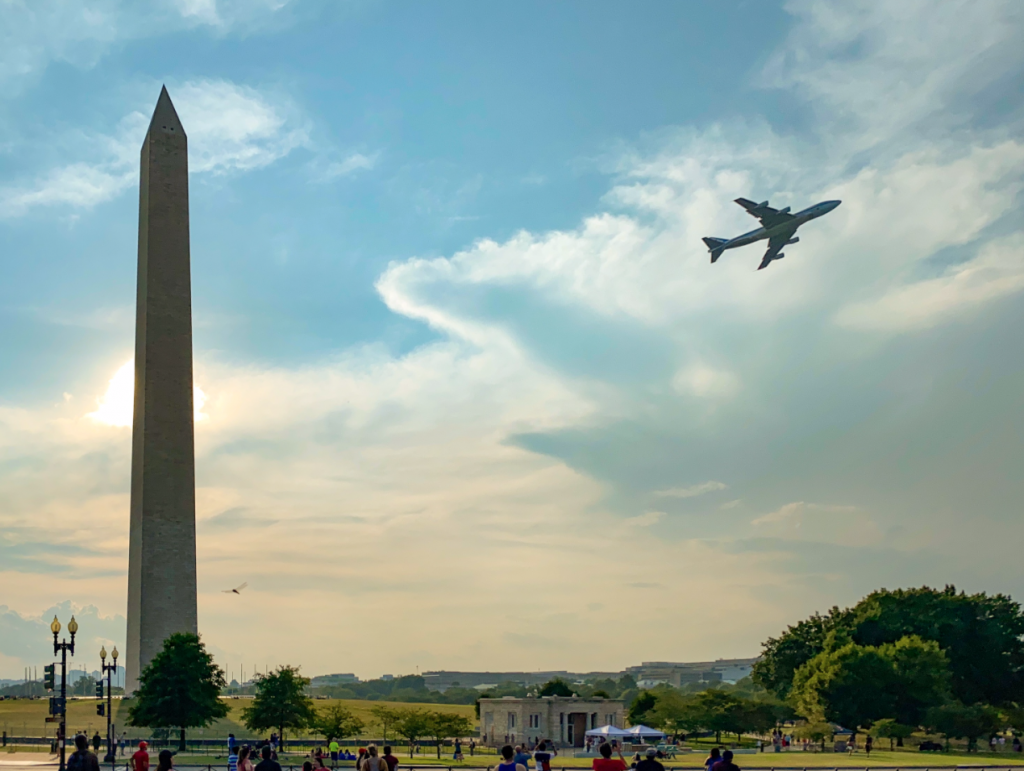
column 236, row 590
column 777, row 225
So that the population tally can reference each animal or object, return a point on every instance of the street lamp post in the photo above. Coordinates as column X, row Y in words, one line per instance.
column 108, row 670
column 63, row 647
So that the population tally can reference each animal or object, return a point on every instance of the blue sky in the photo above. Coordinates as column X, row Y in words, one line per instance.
column 462, row 353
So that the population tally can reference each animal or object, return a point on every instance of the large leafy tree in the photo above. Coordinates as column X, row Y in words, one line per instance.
column 981, row 635
column 280, row 702
column 556, row 687
column 336, row 722
column 413, row 724
column 894, row 731
column 641, row 707
column 180, row 688
column 446, row 725
column 388, row 717
column 851, row 685
column 956, row 720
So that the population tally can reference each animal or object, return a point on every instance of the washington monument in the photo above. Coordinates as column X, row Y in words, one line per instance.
column 162, row 544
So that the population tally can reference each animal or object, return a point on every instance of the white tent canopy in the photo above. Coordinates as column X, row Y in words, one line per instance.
column 643, row 731
column 609, row 731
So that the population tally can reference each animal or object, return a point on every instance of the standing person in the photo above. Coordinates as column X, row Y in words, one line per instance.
column 165, row 761
column 472, row 746
column 606, row 762
column 232, row 759
column 81, row 759
column 542, row 757
column 232, row 745
column 140, row 760
column 96, row 741
column 522, row 756
column 727, row 764
column 268, row 763
column 371, row 762
column 713, row 758
column 359, row 760
column 334, row 748
column 867, row 745
column 650, row 763
column 508, row 755
column 457, row 755
column 390, row 759
column 244, row 762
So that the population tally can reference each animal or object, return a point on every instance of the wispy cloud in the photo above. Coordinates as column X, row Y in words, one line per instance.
column 230, row 127
column 321, row 171
column 692, row 491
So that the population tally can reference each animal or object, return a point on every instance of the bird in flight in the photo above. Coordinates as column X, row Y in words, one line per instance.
column 236, row 590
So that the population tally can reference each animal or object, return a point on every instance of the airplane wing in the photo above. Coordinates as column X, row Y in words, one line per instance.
column 775, row 245
column 769, row 217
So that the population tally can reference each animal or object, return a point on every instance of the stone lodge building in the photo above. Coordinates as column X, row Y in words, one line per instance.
column 563, row 719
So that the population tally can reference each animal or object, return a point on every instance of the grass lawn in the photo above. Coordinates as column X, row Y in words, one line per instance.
column 27, row 718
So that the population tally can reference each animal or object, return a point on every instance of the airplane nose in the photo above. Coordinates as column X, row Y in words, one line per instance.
column 833, row 204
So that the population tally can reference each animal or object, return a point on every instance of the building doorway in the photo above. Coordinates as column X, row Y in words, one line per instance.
column 576, row 729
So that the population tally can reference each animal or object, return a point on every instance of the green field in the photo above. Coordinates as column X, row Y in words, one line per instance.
column 27, row 718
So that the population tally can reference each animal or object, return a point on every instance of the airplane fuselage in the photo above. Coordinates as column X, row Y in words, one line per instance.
column 783, row 229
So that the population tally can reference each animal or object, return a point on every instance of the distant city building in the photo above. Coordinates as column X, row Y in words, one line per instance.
column 562, row 719
column 387, row 677
column 678, row 674
column 442, row 680
column 336, row 679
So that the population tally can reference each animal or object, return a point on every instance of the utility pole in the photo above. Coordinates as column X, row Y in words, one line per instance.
column 63, row 647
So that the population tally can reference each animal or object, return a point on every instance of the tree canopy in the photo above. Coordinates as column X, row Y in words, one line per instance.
column 336, row 722
column 280, row 702
column 982, row 637
column 556, row 687
column 180, row 688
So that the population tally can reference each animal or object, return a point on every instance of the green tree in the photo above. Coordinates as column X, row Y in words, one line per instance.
column 180, row 688
column 335, row 722
column 675, row 713
column 959, row 721
column 851, row 686
column 388, row 717
column 446, row 725
column 719, row 711
column 781, row 657
column 981, row 635
column 641, row 707
column 922, row 677
column 280, row 702
column 892, row 730
column 413, row 724
column 556, row 687
column 817, row 732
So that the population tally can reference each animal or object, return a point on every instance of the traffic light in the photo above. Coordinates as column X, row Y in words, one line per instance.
column 49, row 677
column 101, row 709
column 99, row 689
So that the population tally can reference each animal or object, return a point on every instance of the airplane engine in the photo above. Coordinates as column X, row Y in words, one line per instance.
column 792, row 241
column 779, row 256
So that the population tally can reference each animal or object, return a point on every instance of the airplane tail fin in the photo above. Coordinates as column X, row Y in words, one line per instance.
column 715, row 246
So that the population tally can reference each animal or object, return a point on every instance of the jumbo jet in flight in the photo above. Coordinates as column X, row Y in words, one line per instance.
column 777, row 225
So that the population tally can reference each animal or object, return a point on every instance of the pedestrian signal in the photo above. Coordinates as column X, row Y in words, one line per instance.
column 101, row 709
column 49, row 678
column 99, row 689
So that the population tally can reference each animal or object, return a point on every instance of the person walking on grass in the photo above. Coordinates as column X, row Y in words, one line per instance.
column 606, row 762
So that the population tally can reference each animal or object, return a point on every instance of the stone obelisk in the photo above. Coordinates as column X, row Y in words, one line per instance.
column 162, row 543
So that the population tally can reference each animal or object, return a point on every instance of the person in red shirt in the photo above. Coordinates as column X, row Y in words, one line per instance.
column 606, row 762
column 140, row 760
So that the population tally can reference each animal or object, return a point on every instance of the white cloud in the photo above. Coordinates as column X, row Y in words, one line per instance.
column 37, row 32
column 327, row 172
column 230, row 128
column 997, row 270
column 692, row 491
column 647, row 519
